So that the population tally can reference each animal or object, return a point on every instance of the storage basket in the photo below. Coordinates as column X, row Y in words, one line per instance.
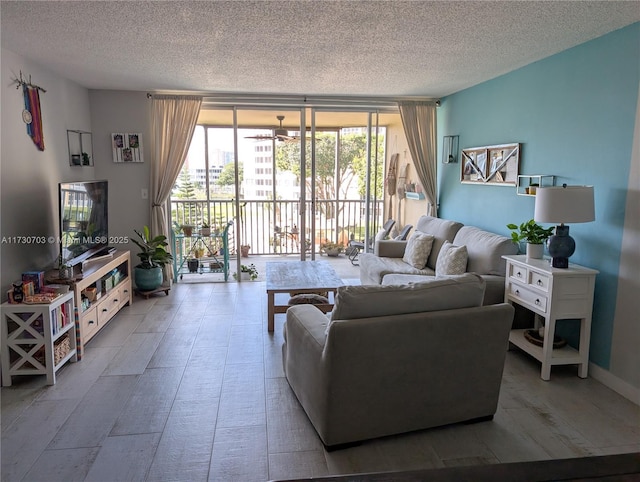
column 61, row 348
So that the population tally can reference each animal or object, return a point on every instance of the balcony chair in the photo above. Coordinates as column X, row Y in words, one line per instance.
column 355, row 247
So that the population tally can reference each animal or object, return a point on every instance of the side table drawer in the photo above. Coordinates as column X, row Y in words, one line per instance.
column 539, row 280
column 528, row 297
column 518, row 273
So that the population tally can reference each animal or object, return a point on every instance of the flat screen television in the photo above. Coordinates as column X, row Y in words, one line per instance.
column 84, row 221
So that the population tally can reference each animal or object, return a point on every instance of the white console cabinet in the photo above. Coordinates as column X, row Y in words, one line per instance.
column 552, row 294
column 110, row 279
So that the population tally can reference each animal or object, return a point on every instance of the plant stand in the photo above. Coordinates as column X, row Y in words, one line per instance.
column 146, row 294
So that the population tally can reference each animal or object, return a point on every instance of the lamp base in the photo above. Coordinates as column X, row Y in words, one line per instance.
column 561, row 246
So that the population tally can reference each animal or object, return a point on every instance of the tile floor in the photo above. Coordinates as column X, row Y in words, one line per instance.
column 190, row 387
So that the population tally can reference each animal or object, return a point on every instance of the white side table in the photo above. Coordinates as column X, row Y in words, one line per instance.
column 38, row 338
column 553, row 294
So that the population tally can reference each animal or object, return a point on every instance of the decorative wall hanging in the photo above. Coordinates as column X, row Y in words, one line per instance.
column 31, row 115
column 127, row 147
column 495, row 165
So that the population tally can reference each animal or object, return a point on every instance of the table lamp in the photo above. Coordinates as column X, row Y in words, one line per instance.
column 563, row 204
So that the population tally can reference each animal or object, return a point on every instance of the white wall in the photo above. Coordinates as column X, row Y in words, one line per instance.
column 625, row 356
column 122, row 111
column 28, row 177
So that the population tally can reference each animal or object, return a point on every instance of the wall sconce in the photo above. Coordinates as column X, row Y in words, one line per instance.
column 450, row 149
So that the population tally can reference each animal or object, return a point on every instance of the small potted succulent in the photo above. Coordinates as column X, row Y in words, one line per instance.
column 534, row 235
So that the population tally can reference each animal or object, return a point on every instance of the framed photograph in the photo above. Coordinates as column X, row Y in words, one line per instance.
column 495, row 165
column 127, row 147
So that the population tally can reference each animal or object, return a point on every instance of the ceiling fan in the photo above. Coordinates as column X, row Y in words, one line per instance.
column 279, row 133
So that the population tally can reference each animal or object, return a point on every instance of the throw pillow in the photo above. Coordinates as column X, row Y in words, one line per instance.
column 381, row 234
column 418, row 248
column 452, row 260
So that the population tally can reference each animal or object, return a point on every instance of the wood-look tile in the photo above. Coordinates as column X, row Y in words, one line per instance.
column 240, row 454
column 184, row 451
column 245, row 345
column 76, row 379
column 115, row 334
column 158, row 318
column 200, row 383
column 242, row 402
column 288, row 427
column 148, row 407
column 124, row 458
column 66, row 465
column 175, row 347
column 290, row 465
column 93, row 418
column 25, row 439
column 135, row 354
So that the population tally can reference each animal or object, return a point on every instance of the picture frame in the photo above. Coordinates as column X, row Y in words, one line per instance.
column 127, row 147
column 491, row 165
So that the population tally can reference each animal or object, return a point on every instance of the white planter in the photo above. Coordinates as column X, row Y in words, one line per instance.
column 535, row 251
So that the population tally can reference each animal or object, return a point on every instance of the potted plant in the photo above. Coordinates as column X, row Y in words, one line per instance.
column 244, row 250
column 153, row 256
column 332, row 249
column 247, row 272
column 534, row 235
column 187, row 229
column 205, row 230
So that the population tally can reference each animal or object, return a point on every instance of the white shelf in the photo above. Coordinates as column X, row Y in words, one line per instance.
column 414, row 195
column 527, row 183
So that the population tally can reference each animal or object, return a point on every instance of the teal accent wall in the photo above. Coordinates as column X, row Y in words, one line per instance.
column 574, row 115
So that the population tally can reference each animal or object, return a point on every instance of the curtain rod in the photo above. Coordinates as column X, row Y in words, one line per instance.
column 294, row 100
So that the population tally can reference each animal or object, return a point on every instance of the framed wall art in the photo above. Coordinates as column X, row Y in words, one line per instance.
column 494, row 165
column 127, row 147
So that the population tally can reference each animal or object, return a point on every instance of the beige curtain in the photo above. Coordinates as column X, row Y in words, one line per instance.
column 173, row 121
column 419, row 122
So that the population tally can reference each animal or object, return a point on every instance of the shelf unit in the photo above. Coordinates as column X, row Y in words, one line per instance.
column 206, row 254
column 38, row 339
column 527, row 182
column 414, row 195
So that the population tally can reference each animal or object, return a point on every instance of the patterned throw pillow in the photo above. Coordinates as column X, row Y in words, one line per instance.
column 418, row 248
column 452, row 260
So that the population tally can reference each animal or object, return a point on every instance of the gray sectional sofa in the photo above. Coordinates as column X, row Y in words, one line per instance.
column 394, row 359
column 485, row 251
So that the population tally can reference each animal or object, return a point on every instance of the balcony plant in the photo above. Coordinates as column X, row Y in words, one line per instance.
column 533, row 234
column 153, row 256
column 247, row 272
column 332, row 249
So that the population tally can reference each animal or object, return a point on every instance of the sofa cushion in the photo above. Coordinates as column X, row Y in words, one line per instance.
column 485, row 250
column 452, row 260
column 442, row 230
column 434, row 294
column 418, row 249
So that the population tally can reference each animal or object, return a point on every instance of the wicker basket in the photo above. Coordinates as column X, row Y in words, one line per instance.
column 61, row 348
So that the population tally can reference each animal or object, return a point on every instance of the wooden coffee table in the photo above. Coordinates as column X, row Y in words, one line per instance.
column 298, row 277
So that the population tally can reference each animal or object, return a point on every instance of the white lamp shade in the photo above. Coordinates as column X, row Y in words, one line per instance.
column 564, row 204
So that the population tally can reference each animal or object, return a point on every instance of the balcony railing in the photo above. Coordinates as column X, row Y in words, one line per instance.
column 273, row 227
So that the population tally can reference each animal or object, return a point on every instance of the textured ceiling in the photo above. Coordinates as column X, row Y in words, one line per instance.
column 355, row 48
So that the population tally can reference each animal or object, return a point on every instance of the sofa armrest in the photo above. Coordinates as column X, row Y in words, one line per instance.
column 303, row 358
column 390, row 248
